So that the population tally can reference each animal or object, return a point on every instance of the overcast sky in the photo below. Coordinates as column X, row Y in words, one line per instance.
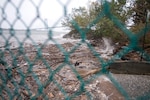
column 52, row 11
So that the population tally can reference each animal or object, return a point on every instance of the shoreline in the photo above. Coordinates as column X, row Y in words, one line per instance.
column 87, row 65
column 82, row 60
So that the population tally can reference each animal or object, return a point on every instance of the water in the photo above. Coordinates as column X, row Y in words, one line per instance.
column 35, row 36
column 41, row 36
column 108, row 48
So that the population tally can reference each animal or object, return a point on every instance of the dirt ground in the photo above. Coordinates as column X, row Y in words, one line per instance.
column 46, row 71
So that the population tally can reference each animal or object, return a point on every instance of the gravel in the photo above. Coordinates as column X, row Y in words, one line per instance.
column 135, row 85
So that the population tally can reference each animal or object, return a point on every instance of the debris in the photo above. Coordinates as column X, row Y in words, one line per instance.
column 51, row 95
column 49, row 69
column 86, row 72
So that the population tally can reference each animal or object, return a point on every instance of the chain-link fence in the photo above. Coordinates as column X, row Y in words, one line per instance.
column 31, row 69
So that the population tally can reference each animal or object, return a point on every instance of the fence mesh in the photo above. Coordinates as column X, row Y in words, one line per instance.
column 46, row 71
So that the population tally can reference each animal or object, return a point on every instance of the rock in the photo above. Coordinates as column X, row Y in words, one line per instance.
column 102, row 88
column 51, row 95
column 77, row 63
column 83, row 97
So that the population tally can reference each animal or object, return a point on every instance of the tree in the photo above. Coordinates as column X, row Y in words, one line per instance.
column 102, row 28
column 140, row 11
column 78, row 15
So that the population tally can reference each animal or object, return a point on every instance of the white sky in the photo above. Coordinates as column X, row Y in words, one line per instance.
column 50, row 10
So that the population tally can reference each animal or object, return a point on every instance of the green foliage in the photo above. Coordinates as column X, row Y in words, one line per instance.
column 102, row 28
column 79, row 15
column 106, row 28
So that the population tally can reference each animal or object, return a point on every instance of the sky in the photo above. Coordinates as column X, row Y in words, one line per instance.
column 50, row 11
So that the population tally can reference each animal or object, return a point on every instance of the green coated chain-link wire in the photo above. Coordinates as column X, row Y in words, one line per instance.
column 17, row 86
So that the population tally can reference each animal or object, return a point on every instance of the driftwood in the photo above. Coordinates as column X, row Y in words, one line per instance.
column 86, row 72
